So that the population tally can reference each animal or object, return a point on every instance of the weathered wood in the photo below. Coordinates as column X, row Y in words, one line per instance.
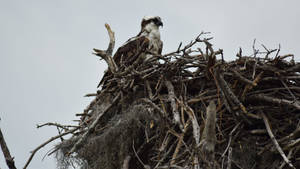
column 8, row 158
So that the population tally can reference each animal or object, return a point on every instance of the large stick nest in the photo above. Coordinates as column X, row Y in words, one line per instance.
column 156, row 114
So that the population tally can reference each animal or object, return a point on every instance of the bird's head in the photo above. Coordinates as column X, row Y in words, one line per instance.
column 154, row 20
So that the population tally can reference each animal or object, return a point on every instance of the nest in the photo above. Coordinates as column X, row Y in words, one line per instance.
column 191, row 109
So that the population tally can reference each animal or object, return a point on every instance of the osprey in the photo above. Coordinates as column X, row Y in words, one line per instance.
column 146, row 44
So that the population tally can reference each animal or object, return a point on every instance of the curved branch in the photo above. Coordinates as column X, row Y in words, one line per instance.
column 107, row 54
column 9, row 160
column 47, row 142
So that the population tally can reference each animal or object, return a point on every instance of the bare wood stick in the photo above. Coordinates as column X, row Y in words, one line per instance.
column 288, row 89
column 228, row 92
column 187, row 46
column 180, row 140
column 65, row 127
column 243, row 79
column 148, row 101
column 289, row 156
column 294, row 104
column 293, row 135
column 107, row 54
column 293, row 144
column 90, row 95
column 149, row 90
column 135, row 153
column 47, row 142
column 93, row 125
column 172, row 97
column 8, row 158
column 192, row 116
column 279, row 149
column 229, row 159
column 208, row 139
column 294, row 68
column 230, row 138
column 126, row 162
column 209, row 132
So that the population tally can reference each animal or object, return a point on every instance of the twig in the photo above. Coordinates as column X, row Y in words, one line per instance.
column 107, row 55
column 93, row 125
column 293, row 144
column 180, row 140
column 229, row 158
column 8, row 158
column 228, row 92
column 289, row 156
column 149, row 90
column 65, row 127
column 230, row 138
column 145, row 166
column 192, row 116
column 148, row 101
column 47, row 142
column 243, row 79
column 279, row 149
column 262, row 97
column 90, row 95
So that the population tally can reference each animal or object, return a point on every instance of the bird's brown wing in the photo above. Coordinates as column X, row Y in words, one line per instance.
column 160, row 47
column 126, row 55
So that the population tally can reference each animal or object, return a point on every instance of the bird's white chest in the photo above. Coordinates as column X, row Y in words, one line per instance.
column 154, row 37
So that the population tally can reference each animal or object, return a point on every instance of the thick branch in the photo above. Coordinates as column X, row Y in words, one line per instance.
column 208, row 139
column 228, row 92
column 107, row 54
column 266, row 121
column 173, row 103
column 9, row 160
column 262, row 97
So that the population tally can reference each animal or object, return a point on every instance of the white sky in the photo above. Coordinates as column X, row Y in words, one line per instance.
column 46, row 65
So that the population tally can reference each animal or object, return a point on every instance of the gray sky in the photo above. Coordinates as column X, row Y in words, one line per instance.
column 46, row 65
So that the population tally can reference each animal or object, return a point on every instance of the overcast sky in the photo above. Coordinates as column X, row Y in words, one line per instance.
column 46, row 65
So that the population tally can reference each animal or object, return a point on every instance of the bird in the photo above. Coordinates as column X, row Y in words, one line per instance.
column 144, row 45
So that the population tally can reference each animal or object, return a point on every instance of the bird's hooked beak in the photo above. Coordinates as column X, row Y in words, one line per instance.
column 159, row 23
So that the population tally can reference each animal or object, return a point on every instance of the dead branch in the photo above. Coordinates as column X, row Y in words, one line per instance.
column 266, row 121
column 177, row 87
column 8, row 158
column 93, row 125
column 229, row 159
column 126, row 163
column 107, row 54
column 45, row 143
column 65, row 127
column 208, row 139
column 262, row 97
column 172, row 97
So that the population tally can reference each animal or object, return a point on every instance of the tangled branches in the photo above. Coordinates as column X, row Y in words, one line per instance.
column 192, row 109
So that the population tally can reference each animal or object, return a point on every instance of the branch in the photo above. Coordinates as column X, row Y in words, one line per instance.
column 9, row 160
column 126, row 162
column 208, row 140
column 107, row 54
column 279, row 149
column 173, row 103
column 65, row 127
column 294, row 104
column 195, row 125
column 148, row 101
column 45, row 143
column 228, row 92
column 92, row 126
